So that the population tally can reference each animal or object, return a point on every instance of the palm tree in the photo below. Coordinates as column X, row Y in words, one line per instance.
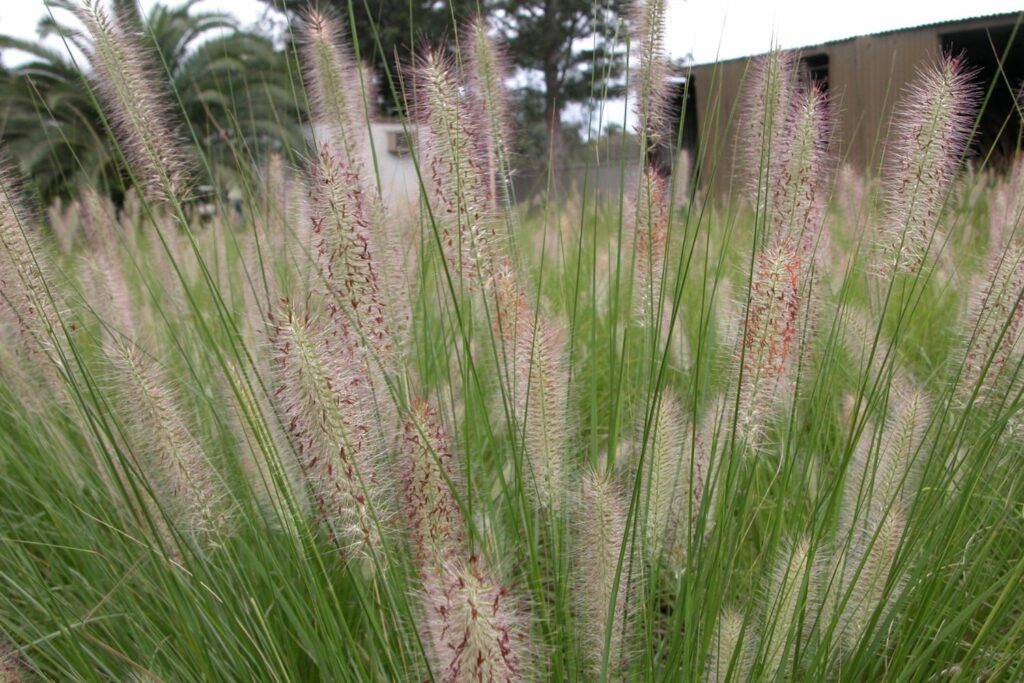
column 237, row 94
column 50, row 124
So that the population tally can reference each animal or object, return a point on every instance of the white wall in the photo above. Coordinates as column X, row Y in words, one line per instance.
column 399, row 182
column 398, row 179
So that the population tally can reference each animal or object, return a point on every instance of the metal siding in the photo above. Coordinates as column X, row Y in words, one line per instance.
column 867, row 77
column 844, row 93
column 886, row 65
column 719, row 87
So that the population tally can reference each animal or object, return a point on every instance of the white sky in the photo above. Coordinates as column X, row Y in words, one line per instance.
column 735, row 28
column 708, row 29
column 18, row 18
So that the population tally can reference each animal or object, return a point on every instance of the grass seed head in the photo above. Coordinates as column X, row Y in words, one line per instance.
column 112, row 298
column 327, row 401
column 732, row 649
column 135, row 103
column 186, row 483
column 476, row 631
column 340, row 93
column 266, row 457
column 346, row 251
column 486, row 69
column 882, row 469
column 800, row 171
column 650, row 228
column 768, row 102
column 931, row 129
column 602, row 590
column 29, row 296
column 542, row 409
column 790, row 606
column 770, row 341
column 456, row 174
column 665, row 473
column 867, row 589
column 650, row 76
column 992, row 344
column 435, row 519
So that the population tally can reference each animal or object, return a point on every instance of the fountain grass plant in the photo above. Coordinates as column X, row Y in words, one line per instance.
column 762, row 437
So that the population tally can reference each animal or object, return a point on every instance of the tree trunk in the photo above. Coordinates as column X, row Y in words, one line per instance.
column 553, row 115
column 553, row 82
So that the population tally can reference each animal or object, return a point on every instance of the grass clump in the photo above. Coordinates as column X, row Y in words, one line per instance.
column 768, row 437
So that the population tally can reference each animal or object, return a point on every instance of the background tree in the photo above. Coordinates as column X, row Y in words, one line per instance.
column 389, row 33
column 571, row 49
column 234, row 89
column 576, row 47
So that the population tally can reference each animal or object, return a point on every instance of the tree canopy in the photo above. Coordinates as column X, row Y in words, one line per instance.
column 572, row 44
column 233, row 88
column 388, row 35
column 564, row 50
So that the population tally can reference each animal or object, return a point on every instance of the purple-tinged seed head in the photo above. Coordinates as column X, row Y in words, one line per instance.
column 340, row 92
column 475, row 630
column 435, row 520
column 327, row 401
column 486, row 68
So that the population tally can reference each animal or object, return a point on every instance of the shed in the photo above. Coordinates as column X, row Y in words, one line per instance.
column 865, row 76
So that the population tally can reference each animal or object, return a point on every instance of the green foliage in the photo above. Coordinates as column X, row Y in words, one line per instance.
column 235, row 89
column 390, row 34
column 543, row 37
column 156, row 367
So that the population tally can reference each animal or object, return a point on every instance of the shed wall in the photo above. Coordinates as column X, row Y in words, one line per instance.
column 867, row 77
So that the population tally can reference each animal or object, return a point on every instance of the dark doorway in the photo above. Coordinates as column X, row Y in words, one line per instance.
column 813, row 70
column 984, row 50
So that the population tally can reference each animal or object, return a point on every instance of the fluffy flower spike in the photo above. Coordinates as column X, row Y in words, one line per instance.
column 267, row 459
column 600, row 535
column 651, row 74
column 866, row 584
column 486, row 70
column 800, row 174
column 435, row 519
column 346, row 250
column 535, row 372
column 357, row 244
column 666, row 453
column 339, row 91
column 327, row 401
column 650, row 240
column 771, row 339
column 675, row 473
column 128, row 87
column 188, row 486
column 460, row 192
column 112, row 300
column 879, row 476
column 731, row 653
column 475, row 631
column 542, row 408
column 766, row 110
column 996, row 311
column 932, row 126
column 26, row 289
column 793, row 589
